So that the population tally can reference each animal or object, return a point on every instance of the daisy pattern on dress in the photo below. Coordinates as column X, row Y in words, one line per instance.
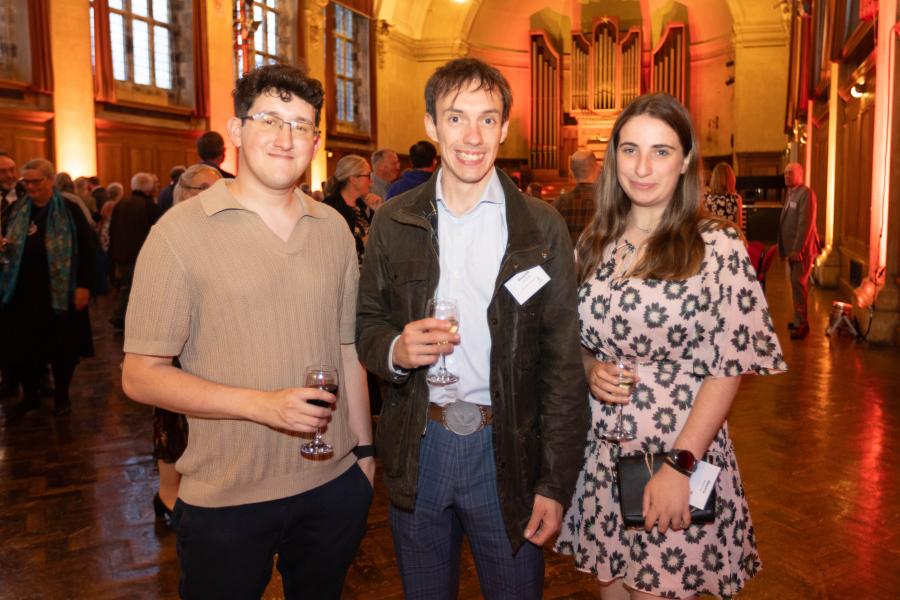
column 705, row 333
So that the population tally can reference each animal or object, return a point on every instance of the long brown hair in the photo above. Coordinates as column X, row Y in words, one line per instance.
column 675, row 249
column 722, row 181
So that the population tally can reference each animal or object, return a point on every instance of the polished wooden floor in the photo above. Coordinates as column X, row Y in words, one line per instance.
column 818, row 448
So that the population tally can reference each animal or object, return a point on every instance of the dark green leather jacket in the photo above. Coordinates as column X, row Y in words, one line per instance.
column 538, row 391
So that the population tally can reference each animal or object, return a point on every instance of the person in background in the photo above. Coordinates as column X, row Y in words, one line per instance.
column 105, row 270
column 98, row 192
column 129, row 226
column 211, row 150
column 423, row 156
column 385, row 170
column 535, row 190
column 45, row 289
column 673, row 290
column 577, row 206
column 722, row 199
column 66, row 187
column 164, row 199
column 170, row 429
column 10, row 192
column 83, row 188
column 798, row 242
column 195, row 179
column 347, row 191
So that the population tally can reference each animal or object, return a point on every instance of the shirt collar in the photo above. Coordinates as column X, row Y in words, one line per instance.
column 493, row 192
column 219, row 198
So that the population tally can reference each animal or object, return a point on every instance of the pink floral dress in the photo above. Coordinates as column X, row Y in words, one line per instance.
column 715, row 323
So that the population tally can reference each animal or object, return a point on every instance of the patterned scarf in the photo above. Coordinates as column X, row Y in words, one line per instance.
column 61, row 251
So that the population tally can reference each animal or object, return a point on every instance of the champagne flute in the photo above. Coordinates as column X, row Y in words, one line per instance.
column 322, row 377
column 618, row 433
column 446, row 310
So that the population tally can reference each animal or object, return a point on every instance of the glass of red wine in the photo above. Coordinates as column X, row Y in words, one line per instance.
column 321, row 377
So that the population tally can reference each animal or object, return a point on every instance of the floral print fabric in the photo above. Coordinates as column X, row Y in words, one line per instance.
column 715, row 323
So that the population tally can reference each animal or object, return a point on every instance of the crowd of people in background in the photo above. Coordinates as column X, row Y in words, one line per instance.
column 67, row 241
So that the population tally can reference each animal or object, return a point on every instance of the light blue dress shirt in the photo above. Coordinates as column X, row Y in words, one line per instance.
column 471, row 248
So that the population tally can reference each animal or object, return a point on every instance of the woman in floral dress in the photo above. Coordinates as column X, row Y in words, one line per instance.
column 675, row 291
column 722, row 199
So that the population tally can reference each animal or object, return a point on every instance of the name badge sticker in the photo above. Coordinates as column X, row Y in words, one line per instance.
column 523, row 285
column 703, row 481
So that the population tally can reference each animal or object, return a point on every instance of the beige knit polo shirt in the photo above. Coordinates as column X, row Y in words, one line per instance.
column 241, row 307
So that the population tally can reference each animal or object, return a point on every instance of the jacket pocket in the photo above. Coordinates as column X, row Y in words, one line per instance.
column 391, row 436
column 408, row 289
column 526, row 331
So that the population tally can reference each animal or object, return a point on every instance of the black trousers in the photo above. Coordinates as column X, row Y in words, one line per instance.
column 227, row 553
column 32, row 373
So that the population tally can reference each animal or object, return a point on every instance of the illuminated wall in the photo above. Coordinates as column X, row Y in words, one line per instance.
column 221, row 72
column 75, row 138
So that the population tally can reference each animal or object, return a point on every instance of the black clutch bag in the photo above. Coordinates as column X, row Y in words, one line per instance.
column 633, row 472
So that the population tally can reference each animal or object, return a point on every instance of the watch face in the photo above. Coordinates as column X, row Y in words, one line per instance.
column 685, row 460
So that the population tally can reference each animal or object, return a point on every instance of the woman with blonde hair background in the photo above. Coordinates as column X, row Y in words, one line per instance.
column 347, row 191
column 722, row 199
column 674, row 292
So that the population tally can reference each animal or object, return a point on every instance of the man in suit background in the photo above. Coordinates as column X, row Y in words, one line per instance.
column 798, row 241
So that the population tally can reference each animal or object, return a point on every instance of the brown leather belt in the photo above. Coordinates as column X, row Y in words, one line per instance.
column 462, row 418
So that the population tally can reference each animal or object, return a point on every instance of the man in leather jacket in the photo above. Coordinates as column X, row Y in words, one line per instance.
column 495, row 455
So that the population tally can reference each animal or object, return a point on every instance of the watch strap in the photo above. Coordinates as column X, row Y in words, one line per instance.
column 364, row 451
column 671, row 460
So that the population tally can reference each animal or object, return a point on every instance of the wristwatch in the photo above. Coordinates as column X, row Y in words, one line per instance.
column 364, row 451
column 682, row 461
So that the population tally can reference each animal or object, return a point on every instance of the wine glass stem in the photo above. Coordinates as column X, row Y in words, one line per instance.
column 443, row 368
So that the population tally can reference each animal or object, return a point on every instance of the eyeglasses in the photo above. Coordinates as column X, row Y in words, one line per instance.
column 273, row 124
column 33, row 181
column 366, row 175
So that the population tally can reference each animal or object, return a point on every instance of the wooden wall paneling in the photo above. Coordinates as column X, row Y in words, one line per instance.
column 856, row 178
column 124, row 149
column 26, row 134
column 819, row 174
column 110, row 163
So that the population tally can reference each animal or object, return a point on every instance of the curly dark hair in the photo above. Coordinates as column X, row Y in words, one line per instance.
column 457, row 75
column 281, row 80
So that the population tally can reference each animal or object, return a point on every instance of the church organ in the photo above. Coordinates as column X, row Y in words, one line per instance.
column 546, row 101
column 669, row 70
column 606, row 72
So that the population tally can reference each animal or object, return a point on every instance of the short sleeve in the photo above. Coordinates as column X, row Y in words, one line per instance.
column 348, row 301
column 159, row 307
column 742, row 337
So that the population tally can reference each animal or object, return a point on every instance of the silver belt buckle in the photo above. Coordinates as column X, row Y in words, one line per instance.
column 462, row 418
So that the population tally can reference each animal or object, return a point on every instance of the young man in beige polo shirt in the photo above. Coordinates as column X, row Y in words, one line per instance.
column 249, row 283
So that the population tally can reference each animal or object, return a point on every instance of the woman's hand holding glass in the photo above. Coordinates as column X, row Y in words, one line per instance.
column 613, row 382
column 604, row 382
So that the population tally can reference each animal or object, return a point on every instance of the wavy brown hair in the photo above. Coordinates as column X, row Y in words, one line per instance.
column 675, row 249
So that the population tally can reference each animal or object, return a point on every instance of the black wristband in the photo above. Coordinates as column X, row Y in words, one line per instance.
column 364, row 451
